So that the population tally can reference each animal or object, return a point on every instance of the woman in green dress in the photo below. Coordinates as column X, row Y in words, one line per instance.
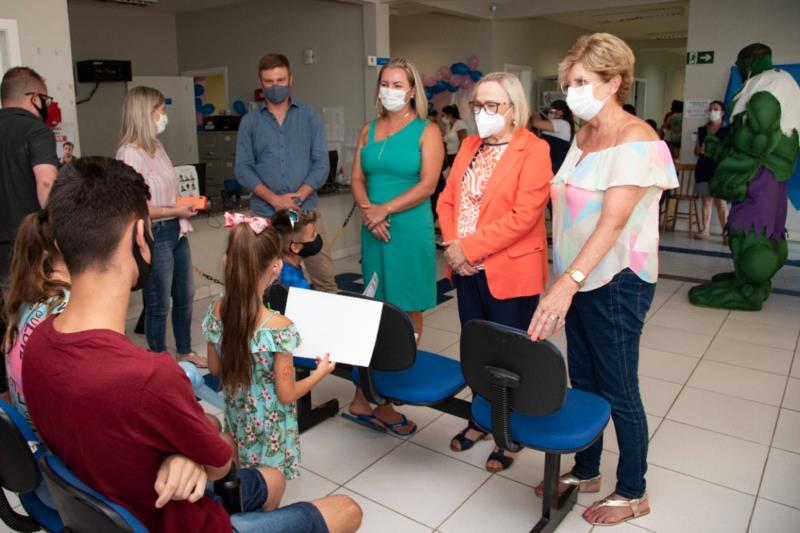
column 395, row 171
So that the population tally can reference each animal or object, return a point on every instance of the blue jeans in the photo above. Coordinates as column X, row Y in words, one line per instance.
column 300, row 517
column 171, row 275
column 603, row 331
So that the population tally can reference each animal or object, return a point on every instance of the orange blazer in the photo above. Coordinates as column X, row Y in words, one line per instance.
column 510, row 239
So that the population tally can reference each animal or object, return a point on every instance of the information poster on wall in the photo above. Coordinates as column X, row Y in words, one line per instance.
column 696, row 109
column 333, row 118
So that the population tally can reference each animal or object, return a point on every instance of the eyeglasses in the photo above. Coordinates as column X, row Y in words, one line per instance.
column 575, row 84
column 46, row 100
column 491, row 108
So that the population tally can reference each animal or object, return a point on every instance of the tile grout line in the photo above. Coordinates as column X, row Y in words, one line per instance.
column 772, row 440
column 395, row 511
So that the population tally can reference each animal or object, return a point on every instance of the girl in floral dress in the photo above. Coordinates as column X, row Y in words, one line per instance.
column 253, row 355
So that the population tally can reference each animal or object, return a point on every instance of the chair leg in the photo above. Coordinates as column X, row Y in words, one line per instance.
column 309, row 416
column 554, row 508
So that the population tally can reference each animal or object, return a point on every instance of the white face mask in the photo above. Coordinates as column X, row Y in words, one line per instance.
column 392, row 99
column 161, row 124
column 582, row 102
column 715, row 115
column 489, row 125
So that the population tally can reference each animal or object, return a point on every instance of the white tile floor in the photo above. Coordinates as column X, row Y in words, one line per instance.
column 722, row 394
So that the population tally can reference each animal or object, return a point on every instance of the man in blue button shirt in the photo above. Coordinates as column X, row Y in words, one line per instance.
column 282, row 157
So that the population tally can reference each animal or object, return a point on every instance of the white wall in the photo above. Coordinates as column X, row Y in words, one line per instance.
column 106, row 31
column 433, row 40
column 727, row 26
column 663, row 73
column 44, row 36
column 236, row 36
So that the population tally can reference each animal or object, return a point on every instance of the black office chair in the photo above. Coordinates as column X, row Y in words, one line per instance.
column 307, row 416
column 83, row 509
column 520, row 395
column 19, row 473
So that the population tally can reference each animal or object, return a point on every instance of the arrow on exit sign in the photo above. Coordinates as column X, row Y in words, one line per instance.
column 699, row 58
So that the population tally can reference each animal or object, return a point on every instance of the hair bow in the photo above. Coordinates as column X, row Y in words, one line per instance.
column 257, row 224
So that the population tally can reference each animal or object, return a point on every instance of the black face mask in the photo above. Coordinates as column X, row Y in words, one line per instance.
column 310, row 248
column 41, row 110
column 143, row 266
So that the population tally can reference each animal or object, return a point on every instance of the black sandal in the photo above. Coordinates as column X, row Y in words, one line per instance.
column 466, row 443
column 500, row 457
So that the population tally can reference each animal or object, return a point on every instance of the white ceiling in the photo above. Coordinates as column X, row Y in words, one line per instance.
column 577, row 13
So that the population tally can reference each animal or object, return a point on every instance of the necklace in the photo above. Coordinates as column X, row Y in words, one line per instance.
column 388, row 135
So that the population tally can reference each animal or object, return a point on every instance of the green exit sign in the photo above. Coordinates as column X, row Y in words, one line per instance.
column 699, row 58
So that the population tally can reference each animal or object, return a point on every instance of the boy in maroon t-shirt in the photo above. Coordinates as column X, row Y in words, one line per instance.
column 122, row 418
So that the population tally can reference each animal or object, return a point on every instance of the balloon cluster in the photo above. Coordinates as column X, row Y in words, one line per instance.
column 450, row 79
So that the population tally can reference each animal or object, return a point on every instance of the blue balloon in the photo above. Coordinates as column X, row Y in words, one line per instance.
column 459, row 68
column 453, row 88
column 428, row 93
column 440, row 87
column 475, row 75
column 239, row 107
column 199, row 90
column 198, row 103
column 207, row 109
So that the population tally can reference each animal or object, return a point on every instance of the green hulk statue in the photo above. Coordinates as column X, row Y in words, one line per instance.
column 754, row 164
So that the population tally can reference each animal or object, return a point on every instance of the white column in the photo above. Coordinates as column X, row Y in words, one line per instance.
column 376, row 43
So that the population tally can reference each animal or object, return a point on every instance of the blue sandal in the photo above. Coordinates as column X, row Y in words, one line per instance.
column 393, row 428
column 370, row 421
column 465, row 443
column 500, row 457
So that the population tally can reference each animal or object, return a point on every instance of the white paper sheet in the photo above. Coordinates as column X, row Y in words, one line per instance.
column 343, row 326
column 372, row 286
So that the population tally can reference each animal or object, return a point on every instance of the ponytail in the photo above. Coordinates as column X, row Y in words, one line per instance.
column 248, row 256
column 30, row 278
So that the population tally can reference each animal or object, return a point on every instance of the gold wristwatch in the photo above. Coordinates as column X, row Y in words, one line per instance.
column 577, row 276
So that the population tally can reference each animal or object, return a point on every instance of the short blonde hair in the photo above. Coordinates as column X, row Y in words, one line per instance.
column 137, row 118
column 516, row 95
column 414, row 79
column 604, row 54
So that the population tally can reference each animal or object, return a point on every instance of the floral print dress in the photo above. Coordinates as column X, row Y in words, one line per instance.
column 265, row 429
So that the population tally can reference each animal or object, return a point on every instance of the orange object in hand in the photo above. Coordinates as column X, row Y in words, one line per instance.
column 200, row 203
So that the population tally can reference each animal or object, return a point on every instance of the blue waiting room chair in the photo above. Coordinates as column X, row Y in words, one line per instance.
column 19, row 449
column 83, row 509
column 400, row 373
column 520, row 395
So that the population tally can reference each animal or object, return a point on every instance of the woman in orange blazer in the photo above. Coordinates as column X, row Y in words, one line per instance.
column 491, row 213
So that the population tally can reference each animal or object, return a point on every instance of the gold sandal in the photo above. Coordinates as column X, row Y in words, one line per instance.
column 618, row 501
column 568, row 479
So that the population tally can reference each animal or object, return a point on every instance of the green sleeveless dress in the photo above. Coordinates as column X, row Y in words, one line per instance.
column 406, row 265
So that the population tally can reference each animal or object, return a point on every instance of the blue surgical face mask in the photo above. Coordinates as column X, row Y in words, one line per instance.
column 277, row 93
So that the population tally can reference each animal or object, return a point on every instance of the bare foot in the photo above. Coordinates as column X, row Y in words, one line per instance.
column 611, row 515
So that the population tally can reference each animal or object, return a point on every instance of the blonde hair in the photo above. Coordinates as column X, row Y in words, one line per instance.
column 516, row 95
column 137, row 118
column 414, row 79
column 604, row 54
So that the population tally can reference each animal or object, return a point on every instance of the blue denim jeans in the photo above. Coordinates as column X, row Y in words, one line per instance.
column 171, row 275
column 299, row 517
column 603, row 331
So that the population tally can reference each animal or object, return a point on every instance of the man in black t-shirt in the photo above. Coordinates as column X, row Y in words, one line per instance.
column 28, row 160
